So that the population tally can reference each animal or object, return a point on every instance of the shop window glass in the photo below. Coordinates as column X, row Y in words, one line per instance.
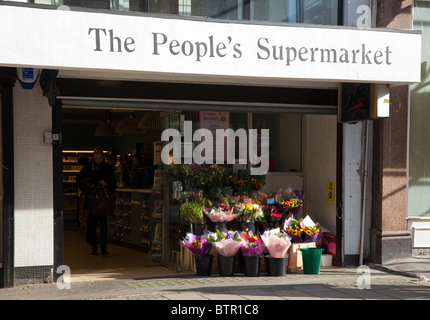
column 95, row 4
column 300, row 11
column 419, row 151
column 285, row 134
column 270, row 10
column 285, row 148
column 318, row 12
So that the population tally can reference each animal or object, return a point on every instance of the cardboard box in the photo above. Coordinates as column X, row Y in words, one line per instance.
column 295, row 261
column 326, row 260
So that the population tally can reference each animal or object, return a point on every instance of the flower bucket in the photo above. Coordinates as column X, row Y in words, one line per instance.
column 251, row 266
column 204, row 265
column 311, row 260
column 276, row 267
column 226, row 265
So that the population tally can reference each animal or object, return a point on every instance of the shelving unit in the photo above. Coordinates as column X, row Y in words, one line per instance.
column 71, row 169
column 137, row 220
column 156, row 223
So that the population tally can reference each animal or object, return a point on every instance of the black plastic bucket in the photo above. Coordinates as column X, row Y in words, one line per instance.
column 251, row 266
column 276, row 267
column 226, row 265
column 204, row 265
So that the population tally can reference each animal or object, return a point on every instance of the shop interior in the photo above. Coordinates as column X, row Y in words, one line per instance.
column 302, row 156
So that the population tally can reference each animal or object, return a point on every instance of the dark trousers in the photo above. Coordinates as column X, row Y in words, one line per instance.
column 92, row 223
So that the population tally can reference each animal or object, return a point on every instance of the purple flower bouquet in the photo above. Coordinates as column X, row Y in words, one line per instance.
column 251, row 245
column 198, row 244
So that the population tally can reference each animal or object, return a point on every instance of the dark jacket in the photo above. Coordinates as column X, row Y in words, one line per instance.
column 90, row 175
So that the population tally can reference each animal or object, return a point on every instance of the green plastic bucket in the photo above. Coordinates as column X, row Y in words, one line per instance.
column 311, row 260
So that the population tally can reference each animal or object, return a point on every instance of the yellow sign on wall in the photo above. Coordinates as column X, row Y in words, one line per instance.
column 330, row 191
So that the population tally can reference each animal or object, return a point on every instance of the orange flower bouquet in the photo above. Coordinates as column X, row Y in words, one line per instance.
column 293, row 229
column 310, row 230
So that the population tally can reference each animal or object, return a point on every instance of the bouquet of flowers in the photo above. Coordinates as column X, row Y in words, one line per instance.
column 249, row 211
column 222, row 211
column 226, row 244
column 245, row 182
column 310, row 230
column 257, row 182
column 289, row 201
column 292, row 228
column 198, row 244
column 290, row 205
column 276, row 242
column 271, row 214
column 251, row 244
column 238, row 184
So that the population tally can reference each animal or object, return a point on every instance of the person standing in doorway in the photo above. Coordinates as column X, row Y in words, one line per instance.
column 95, row 175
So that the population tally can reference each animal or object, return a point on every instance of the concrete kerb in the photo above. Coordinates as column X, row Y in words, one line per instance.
column 416, row 274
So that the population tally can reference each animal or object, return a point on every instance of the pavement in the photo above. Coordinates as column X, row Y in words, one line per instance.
column 407, row 279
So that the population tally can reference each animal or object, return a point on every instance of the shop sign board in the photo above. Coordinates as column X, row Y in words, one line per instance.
column 102, row 41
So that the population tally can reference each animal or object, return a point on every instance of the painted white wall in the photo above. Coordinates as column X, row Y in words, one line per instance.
column 352, row 187
column 33, row 179
column 320, row 167
column 282, row 180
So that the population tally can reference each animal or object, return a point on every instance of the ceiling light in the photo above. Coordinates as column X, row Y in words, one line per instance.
column 129, row 125
column 106, row 128
column 151, row 120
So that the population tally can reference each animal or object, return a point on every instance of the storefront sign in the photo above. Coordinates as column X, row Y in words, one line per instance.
column 195, row 47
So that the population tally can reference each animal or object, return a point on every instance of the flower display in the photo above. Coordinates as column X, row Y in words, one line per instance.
column 276, row 242
column 227, row 244
column 245, row 182
column 198, row 244
column 249, row 211
column 304, row 230
column 194, row 176
column 310, row 230
column 292, row 228
column 290, row 205
column 191, row 208
column 257, row 182
column 251, row 244
column 310, row 234
column 271, row 213
column 222, row 211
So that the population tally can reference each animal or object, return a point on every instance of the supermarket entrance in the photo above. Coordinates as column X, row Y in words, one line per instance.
column 133, row 253
column 305, row 120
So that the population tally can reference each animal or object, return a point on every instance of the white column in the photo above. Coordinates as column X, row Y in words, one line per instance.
column 33, row 178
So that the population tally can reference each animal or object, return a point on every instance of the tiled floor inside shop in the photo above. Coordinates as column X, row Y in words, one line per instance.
column 121, row 263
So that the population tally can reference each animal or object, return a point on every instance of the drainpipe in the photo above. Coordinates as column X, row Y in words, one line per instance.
column 364, row 191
